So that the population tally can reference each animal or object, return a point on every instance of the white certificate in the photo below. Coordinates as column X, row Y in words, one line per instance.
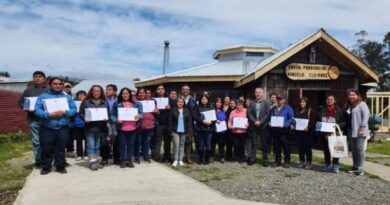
column 325, row 127
column 78, row 105
column 277, row 121
column 210, row 115
column 220, row 127
column 55, row 104
column 148, row 105
column 96, row 114
column 127, row 114
column 29, row 103
column 301, row 124
column 162, row 102
column 239, row 122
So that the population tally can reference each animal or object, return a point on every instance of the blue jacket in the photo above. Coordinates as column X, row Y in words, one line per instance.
column 287, row 112
column 77, row 121
column 44, row 116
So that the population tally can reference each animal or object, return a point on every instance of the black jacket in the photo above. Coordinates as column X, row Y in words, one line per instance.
column 339, row 116
column 162, row 117
column 307, row 114
column 100, row 126
column 173, row 120
column 263, row 115
column 198, row 117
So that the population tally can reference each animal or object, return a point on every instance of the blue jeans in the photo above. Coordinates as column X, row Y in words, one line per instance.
column 126, row 145
column 93, row 143
column 145, row 136
column 34, row 130
column 204, row 140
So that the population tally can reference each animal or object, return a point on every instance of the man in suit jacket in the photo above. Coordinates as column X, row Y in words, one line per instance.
column 258, row 115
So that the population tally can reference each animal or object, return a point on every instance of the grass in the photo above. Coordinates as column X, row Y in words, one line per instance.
column 381, row 147
column 12, row 176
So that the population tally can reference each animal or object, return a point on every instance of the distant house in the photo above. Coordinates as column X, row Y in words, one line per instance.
column 14, row 85
column 87, row 84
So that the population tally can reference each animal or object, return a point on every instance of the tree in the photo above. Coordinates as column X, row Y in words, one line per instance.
column 376, row 55
column 5, row 74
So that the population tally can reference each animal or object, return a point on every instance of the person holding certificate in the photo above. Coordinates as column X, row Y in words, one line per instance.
column 220, row 134
column 38, row 87
column 258, row 115
column 280, row 132
column 179, row 124
column 331, row 113
column 77, row 127
column 145, row 132
column 127, row 129
column 238, row 132
column 357, row 129
column 96, row 131
column 54, row 132
column 229, row 136
column 304, row 133
column 205, row 129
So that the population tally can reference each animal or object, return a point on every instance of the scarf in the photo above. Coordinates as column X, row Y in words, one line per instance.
column 330, row 111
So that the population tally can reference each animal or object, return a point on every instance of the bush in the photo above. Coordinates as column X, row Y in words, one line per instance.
column 14, row 137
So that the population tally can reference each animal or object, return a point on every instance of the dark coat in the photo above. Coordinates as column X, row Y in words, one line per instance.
column 263, row 115
column 173, row 120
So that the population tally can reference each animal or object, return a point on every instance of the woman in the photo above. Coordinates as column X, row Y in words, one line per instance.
column 179, row 125
column 78, row 130
column 331, row 113
column 127, row 129
column 280, row 134
column 357, row 129
column 238, row 134
column 220, row 137
column 229, row 136
column 304, row 137
column 205, row 129
column 96, row 131
column 145, row 131
column 226, row 103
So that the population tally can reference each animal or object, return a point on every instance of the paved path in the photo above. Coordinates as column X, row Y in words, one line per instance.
column 145, row 184
column 373, row 168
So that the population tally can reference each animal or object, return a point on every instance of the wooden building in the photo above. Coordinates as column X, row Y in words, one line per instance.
column 315, row 67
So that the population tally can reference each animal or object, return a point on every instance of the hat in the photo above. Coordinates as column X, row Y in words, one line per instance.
column 67, row 85
column 280, row 96
column 38, row 72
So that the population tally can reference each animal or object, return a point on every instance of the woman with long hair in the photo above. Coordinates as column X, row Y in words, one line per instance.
column 127, row 129
column 357, row 129
column 238, row 134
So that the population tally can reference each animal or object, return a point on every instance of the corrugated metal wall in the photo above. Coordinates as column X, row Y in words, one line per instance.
column 12, row 118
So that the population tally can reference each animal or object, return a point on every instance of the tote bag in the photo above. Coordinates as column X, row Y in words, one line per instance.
column 338, row 146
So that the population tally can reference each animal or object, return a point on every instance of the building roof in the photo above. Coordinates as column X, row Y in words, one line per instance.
column 230, row 70
column 244, row 48
column 330, row 44
column 12, row 80
column 87, row 84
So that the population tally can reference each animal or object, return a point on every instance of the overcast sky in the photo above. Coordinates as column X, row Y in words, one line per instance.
column 119, row 39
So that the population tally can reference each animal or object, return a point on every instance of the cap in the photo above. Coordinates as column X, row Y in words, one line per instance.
column 280, row 96
column 67, row 85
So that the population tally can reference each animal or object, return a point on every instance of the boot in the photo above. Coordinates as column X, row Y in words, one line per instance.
column 207, row 157
column 200, row 157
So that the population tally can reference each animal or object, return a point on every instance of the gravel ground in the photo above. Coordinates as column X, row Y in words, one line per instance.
column 290, row 186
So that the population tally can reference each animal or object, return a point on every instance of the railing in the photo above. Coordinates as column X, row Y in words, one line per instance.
column 379, row 103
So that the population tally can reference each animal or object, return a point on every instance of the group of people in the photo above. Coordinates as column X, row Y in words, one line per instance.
column 182, row 122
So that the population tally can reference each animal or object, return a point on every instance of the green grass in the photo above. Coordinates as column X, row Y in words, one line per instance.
column 382, row 147
column 12, row 176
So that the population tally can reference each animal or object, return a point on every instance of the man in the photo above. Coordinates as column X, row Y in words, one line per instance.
column 38, row 87
column 55, row 127
column 258, row 114
column 111, row 95
column 272, row 99
column 161, row 130
column 70, row 143
column 68, row 88
column 190, row 103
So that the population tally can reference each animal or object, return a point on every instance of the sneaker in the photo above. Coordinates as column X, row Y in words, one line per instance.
column 175, row 163
column 148, row 160
column 137, row 160
column 301, row 164
column 353, row 170
column 359, row 172
column 45, row 171
column 336, row 168
column 130, row 164
column 61, row 170
column 181, row 163
column 67, row 164
column 86, row 158
column 327, row 168
column 222, row 160
column 93, row 166
column 104, row 162
column 79, row 158
column 123, row 165
column 308, row 165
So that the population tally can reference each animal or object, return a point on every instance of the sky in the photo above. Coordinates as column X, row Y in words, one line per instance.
column 122, row 39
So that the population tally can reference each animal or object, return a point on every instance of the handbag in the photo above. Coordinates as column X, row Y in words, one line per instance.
column 338, row 146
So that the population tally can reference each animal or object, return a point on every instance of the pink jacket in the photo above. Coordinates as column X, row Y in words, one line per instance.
column 233, row 114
